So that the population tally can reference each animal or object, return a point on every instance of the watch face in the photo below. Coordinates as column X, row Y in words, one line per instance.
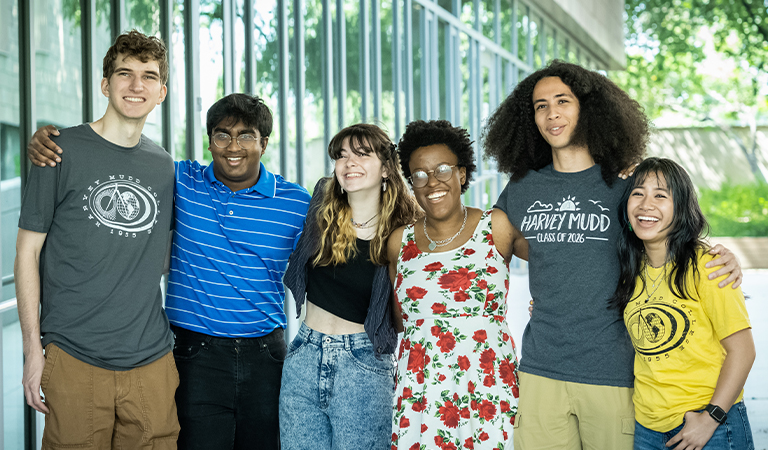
column 717, row 413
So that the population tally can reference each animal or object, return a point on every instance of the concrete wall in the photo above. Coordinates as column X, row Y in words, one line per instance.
column 711, row 156
column 598, row 25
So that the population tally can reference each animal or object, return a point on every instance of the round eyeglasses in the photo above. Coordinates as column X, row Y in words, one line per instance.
column 245, row 141
column 420, row 178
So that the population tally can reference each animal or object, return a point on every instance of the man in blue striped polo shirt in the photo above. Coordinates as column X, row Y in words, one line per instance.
column 236, row 225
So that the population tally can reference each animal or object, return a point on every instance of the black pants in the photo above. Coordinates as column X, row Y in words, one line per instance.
column 229, row 390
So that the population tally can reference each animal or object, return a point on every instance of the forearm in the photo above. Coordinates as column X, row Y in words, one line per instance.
column 27, row 276
column 738, row 362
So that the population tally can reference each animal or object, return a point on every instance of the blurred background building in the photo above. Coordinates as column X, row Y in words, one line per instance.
column 319, row 64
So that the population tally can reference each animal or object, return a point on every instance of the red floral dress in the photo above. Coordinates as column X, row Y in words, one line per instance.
column 457, row 366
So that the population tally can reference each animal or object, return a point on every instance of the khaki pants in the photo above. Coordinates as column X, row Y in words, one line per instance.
column 95, row 408
column 561, row 415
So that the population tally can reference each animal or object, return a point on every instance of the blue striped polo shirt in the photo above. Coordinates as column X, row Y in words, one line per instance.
column 230, row 251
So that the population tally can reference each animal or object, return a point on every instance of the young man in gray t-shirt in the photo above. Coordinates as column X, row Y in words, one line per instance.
column 93, row 235
column 564, row 135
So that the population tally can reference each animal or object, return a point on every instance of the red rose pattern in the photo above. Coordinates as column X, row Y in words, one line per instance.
column 457, row 367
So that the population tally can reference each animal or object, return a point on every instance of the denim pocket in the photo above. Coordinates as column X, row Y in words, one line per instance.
column 294, row 346
column 185, row 350
column 365, row 359
column 276, row 351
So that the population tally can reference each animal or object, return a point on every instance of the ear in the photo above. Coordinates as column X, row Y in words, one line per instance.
column 265, row 141
column 384, row 172
column 463, row 175
column 163, row 93
column 105, row 87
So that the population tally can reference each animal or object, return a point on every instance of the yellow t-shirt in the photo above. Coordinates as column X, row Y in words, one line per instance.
column 678, row 354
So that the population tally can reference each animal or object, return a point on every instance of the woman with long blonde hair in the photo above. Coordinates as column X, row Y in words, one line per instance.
column 338, row 378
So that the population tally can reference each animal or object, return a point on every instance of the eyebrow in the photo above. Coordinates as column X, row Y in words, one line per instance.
column 564, row 94
column 225, row 130
column 126, row 69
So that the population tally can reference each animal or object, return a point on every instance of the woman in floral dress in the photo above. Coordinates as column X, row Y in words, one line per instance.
column 457, row 367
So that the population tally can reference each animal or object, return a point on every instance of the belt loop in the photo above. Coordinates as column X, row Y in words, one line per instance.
column 347, row 342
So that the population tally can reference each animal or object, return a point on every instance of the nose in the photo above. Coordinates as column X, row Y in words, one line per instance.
column 553, row 113
column 137, row 84
column 646, row 204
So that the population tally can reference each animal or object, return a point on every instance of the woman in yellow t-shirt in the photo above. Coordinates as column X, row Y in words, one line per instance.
column 693, row 341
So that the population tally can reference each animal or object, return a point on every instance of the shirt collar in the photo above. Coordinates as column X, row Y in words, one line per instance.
column 266, row 185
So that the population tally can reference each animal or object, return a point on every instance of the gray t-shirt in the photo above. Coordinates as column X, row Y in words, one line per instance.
column 107, row 211
column 570, row 222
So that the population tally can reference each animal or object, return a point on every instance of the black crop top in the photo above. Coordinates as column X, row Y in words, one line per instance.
column 344, row 289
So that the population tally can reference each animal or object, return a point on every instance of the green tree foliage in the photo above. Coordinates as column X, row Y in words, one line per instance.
column 736, row 209
column 667, row 42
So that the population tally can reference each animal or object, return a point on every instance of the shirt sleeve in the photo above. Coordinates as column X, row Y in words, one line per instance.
column 725, row 307
column 40, row 198
column 501, row 203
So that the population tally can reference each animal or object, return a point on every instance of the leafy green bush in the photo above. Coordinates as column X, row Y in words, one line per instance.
column 736, row 209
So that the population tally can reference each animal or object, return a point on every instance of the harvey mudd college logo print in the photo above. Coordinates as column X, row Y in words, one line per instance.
column 568, row 222
column 123, row 205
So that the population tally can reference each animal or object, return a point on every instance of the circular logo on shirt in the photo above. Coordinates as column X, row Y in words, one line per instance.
column 123, row 204
column 657, row 328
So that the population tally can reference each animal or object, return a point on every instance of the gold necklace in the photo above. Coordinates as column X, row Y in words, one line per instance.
column 653, row 285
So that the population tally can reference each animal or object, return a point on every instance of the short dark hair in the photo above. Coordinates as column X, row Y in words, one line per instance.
column 611, row 124
column 140, row 46
column 248, row 109
column 421, row 134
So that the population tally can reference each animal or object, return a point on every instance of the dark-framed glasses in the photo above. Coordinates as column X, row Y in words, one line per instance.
column 245, row 141
column 420, row 178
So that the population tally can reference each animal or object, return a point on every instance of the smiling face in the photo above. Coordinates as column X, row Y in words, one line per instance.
column 359, row 169
column 650, row 210
column 438, row 199
column 135, row 88
column 556, row 112
column 237, row 167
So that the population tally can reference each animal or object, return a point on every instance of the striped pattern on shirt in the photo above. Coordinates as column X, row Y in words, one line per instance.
column 230, row 251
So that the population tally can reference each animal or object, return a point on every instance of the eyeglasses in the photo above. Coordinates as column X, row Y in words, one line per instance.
column 420, row 178
column 245, row 141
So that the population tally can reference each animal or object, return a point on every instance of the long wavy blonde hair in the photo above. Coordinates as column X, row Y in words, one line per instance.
column 397, row 207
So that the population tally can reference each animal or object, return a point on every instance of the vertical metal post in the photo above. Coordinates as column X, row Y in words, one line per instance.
column 282, row 41
column 434, row 64
column 425, row 62
column 228, row 39
column 26, row 128
column 298, row 38
column 341, row 69
column 328, row 77
column 194, row 103
column 376, row 50
column 408, row 75
column 450, row 81
column 555, row 46
column 365, row 58
column 528, row 39
column 250, row 58
column 166, row 33
column 515, row 34
column 542, row 42
column 117, row 22
column 397, row 60
column 87, row 25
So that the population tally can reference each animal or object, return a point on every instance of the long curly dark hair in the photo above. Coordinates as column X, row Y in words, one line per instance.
column 611, row 124
column 422, row 134
column 684, row 241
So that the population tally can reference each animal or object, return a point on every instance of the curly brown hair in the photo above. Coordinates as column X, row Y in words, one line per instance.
column 140, row 46
column 611, row 124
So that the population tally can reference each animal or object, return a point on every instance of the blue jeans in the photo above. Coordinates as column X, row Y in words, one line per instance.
column 335, row 394
column 228, row 391
column 733, row 434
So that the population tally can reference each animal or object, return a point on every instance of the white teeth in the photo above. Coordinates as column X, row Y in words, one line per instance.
column 354, row 175
column 435, row 195
column 235, row 159
column 556, row 128
column 651, row 219
column 134, row 99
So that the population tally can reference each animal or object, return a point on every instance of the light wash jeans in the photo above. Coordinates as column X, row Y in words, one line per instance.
column 335, row 394
column 733, row 434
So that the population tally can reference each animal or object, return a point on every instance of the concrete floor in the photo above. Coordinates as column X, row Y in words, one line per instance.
column 755, row 286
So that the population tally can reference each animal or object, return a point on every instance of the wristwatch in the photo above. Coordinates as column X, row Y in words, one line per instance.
column 716, row 412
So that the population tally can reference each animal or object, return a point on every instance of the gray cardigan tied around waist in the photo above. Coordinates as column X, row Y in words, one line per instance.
column 378, row 321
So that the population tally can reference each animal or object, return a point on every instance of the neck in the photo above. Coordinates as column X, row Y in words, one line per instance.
column 656, row 254
column 364, row 205
column 572, row 159
column 119, row 131
column 447, row 226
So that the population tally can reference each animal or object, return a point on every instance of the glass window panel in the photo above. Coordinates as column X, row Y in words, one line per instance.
column 313, row 102
column 177, row 83
column 487, row 17
column 102, row 40
column 550, row 45
column 507, row 27
column 211, row 64
column 468, row 13
column 417, row 57
column 145, row 17
column 522, row 33
column 387, row 94
column 536, row 41
column 13, row 393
